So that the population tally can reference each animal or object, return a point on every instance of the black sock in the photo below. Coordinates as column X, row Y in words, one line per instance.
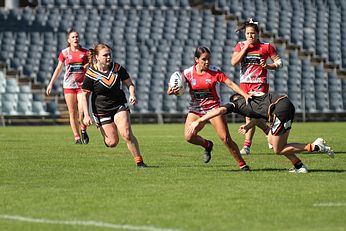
column 298, row 165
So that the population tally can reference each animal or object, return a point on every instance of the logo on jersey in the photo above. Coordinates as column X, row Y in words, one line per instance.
column 193, row 82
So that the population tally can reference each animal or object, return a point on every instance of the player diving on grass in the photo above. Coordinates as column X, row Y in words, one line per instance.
column 279, row 111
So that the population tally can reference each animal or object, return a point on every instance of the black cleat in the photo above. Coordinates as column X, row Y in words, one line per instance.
column 85, row 137
column 245, row 168
column 79, row 141
column 141, row 165
column 207, row 152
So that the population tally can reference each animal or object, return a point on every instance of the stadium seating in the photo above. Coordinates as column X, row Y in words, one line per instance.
column 153, row 38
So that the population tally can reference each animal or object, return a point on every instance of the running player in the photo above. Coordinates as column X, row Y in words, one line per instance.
column 108, row 102
column 279, row 111
column 74, row 57
column 203, row 80
column 252, row 55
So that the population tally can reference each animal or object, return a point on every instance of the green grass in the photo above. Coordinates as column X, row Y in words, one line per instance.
column 43, row 175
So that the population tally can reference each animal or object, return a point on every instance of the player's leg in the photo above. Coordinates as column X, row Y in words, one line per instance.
column 85, row 137
column 123, row 123
column 248, row 139
column 220, row 125
column 281, row 147
column 110, row 134
column 71, row 102
column 197, row 139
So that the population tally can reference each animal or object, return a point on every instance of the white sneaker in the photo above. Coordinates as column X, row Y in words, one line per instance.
column 245, row 151
column 322, row 144
column 303, row 169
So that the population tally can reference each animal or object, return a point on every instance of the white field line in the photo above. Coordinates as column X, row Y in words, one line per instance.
column 83, row 223
column 330, row 204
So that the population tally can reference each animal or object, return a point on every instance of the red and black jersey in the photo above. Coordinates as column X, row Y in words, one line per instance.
column 204, row 88
column 106, row 90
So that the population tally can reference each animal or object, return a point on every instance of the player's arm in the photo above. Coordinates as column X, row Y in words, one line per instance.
column 245, row 127
column 237, row 89
column 85, row 104
column 238, row 55
column 132, row 90
column 55, row 75
column 277, row 63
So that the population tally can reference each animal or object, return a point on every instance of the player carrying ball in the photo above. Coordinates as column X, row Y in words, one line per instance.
column 203, row 81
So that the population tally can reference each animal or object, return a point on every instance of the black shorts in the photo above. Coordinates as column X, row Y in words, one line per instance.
column 283, row 116
column 109, row 117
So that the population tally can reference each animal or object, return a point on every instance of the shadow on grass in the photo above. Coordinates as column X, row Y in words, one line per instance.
column 282, row 170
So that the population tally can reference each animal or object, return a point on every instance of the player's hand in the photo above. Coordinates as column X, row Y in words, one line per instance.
column 242, row 129
column 247, row 98
column 172, row 90
column 263, row 63
column 132, row 100
column 192, row 128
column 87, row 120
column 49, row 89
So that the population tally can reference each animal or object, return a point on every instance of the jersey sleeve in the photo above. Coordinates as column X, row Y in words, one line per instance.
column 237, row 47
column 123, row 74
column 271, row 50
column 61, row 57
column 88, row 84
column 222, row 77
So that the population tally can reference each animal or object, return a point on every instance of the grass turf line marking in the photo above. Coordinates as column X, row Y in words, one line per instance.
column 330, row 204
column 84, row 223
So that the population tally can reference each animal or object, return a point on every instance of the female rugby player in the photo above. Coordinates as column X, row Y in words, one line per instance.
column 279, row 111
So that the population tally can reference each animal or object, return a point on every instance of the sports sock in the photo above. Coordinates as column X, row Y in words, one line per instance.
column 247, row 143
column 297, row 163
column 76, row 137
column 83, row 128
column 206, row 144
column 241, row 163
column 138, row 159
column 309, row 147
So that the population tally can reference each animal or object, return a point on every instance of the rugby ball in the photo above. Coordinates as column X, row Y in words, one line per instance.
column 177, row 80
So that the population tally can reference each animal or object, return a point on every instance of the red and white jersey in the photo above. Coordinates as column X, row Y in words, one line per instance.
column 251, row 70
column 74, row 64
column 204, row 89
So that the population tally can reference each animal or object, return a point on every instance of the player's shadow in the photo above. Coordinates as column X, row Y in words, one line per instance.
column 283, row 170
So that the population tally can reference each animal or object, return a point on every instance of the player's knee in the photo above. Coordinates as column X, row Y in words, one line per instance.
column 111, row 143
column 188, row 138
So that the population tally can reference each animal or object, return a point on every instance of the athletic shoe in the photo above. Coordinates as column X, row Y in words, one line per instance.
column 323, row 147
column 303, row 169
column 245, row 151
column 85, row 137
column 270, row 146
column 79, row 141
column 141, row 165
column 207, row 152
column 245, row 168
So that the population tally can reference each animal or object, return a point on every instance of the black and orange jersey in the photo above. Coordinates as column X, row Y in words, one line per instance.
column 264, row 106
column 106, row 90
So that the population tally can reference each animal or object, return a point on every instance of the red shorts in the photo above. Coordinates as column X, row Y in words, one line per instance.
column 255, row 87
column 72, row 91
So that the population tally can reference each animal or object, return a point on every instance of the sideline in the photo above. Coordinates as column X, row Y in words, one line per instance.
column 84, row 223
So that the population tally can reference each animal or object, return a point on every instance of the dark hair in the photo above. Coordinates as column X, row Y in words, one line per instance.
column 95, row 51
column 201, row 50
column 249, row 23
column 71, row 30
